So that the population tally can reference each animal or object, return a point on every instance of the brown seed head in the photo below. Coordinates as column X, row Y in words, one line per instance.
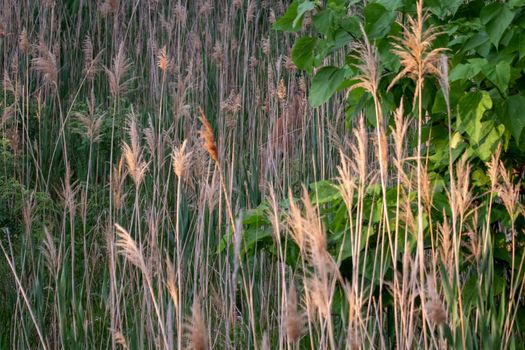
column 46, row 64
column 180, row 159
column 198, row 337
column 24, row 41
column 207, row 135
column 281, row 90
column 172, row 285
column 163, row 60
column 293, row 318
column 414, row 51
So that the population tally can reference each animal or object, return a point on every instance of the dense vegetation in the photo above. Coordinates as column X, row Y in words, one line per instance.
column 262, row 174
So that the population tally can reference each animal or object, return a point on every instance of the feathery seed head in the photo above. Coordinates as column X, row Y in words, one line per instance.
column 46, row 64
column 281, row 90
column 163, row 60
column 207, row 135
column 180, row 158
column 369, row 66
column 293, row 320
column 171, row 283
column 127, row 247
column 23, row 41
column 198, row 336
column 121, row 65
column 414, row 51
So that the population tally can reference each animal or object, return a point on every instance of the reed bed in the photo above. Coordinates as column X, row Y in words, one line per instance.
column 136, row 134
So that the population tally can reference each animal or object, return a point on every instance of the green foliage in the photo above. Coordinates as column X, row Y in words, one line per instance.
column 469, row 114
column 325, row 83
column 485, row 45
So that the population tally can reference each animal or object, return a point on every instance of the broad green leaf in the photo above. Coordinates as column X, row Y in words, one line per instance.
column 341, row 39
column 521, row 45
column 470, row 112
column 355, row 102
column 253, row 235
column 378, row 20
column 339, row 4
column 514, row 115
column 303, row 53
column 301, row 10
column 389, row 60
column 325, row 84
column 390, row 5
column 324, row 192
column 467, row 70
column 477, row 42
column 496, row 17
column 288, row 22
column 455, row 140
column 352, row 25
column 499, row 75
column 516, row 3
column 255, row 216
column 323, row 21
column 489, row 144
column 442, row 8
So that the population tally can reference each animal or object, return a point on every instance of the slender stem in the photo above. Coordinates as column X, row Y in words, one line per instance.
column 179, row 269
column 24, row 296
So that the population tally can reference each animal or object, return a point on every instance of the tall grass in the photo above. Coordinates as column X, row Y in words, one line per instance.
column 135, row 135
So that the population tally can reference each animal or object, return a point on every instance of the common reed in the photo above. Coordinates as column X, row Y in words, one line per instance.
column 135, row 219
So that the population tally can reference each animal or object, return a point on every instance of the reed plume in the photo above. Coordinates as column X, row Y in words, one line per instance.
column 46, row 64
column 207, row 136
column 137, row 167
column 163, row 60
column 23, row 41
column 180, row 158
column 197, row 334
column 91, row 61
column 293, row 320
column 127, row 247
column 414, row 48
column 120, row 67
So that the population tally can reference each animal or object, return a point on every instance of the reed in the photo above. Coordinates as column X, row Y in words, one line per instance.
column 165, row 184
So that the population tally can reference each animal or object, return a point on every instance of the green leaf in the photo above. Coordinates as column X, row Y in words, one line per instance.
column 292, row 20
column 442, row 8
column 390, row 5
column 352, row 25
column 516, row 3
column 389, row 60
column 341, row 39
column 521, row 45
column 324, row 192
column 489, row 144
column 496, row 17
column 355, row 102
column 477, row 42
column 325, row 84
column 467, row 70
column 499, row 75
column 303, row 53
column 323, row 21
column 255, row 216
column 514, row 116
column 301, row 10
column 470, row 112
column 378, row 20
column 470, row 293
column 253, row 235
column 455, row 140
